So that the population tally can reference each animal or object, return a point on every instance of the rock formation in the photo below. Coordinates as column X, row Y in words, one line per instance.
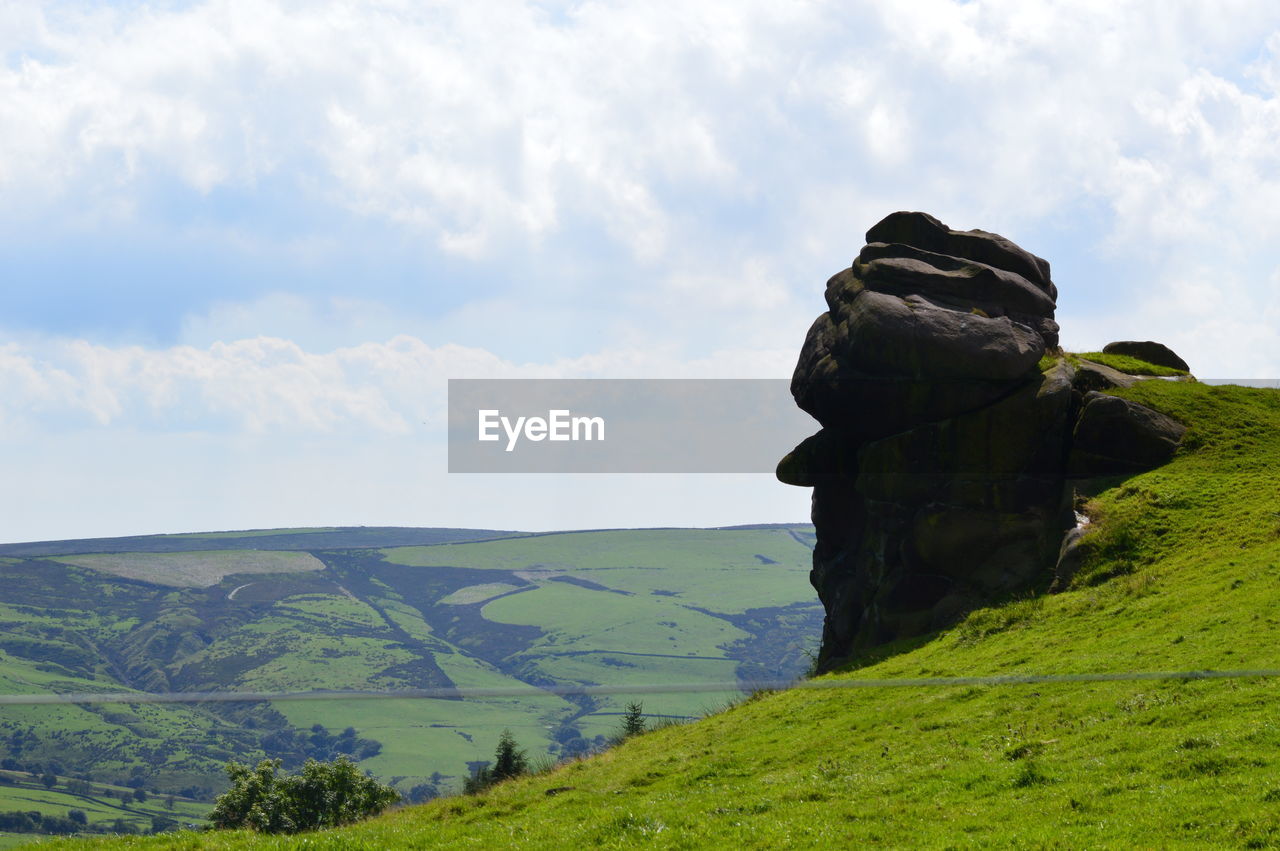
column 941, row 474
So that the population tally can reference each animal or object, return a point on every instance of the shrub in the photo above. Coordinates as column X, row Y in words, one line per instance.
column 320, row 795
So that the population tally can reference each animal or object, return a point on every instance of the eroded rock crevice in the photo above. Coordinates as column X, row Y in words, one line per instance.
column 942, row 473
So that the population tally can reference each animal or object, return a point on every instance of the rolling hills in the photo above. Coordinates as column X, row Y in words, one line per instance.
column 1183, row 575
column 437, row 608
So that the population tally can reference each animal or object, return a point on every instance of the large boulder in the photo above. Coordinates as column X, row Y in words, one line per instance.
column 1115, row 436
column 1149, row 351
column 942, row 473
column 911, row 337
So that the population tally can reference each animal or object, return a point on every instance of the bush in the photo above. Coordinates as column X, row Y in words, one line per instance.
column 320, row 795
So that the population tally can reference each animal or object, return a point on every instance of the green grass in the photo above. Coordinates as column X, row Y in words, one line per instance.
column 702, row 564
column 1131, row 365
column 1189, row 579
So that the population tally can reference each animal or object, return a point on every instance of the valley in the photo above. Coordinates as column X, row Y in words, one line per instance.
column 432, row 610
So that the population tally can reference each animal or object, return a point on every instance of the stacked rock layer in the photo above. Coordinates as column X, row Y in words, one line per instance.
column 941, row 473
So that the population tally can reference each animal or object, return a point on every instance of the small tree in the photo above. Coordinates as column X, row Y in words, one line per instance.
column 509, row 760
column 633, row 720
column 49, row 780
column 80, row 817
column 140, row 795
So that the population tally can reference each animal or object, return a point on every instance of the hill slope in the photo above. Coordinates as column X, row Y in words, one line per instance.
column 1185, row 575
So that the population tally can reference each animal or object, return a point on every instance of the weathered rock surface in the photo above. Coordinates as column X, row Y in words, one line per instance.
column 1149, row 351
column 1096, row 376
column 922, row 230
column 942, row 473
column 1115, row 436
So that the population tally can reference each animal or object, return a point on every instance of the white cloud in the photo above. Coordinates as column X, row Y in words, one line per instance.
column 486, row 128
column 267, row 385
column 633, row 188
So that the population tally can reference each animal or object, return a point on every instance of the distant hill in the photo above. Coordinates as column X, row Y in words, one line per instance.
column 339, row 537
column 296, row 610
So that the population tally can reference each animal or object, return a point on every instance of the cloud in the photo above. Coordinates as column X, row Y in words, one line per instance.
column 269, row 221
column 267, row 385
column 476, row 129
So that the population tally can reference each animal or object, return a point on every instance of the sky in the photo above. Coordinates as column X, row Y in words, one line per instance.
column 244, row 244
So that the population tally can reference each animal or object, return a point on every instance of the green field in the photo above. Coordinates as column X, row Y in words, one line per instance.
column 1183, row 575
column 618, row 607
column 99, row 802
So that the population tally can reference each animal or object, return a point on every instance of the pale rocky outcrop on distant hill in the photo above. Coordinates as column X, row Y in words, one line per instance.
column 942, row 472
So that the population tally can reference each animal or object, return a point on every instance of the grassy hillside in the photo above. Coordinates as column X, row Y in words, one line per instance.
column 568, row 608
column 1185, row 575
column 101, row 803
